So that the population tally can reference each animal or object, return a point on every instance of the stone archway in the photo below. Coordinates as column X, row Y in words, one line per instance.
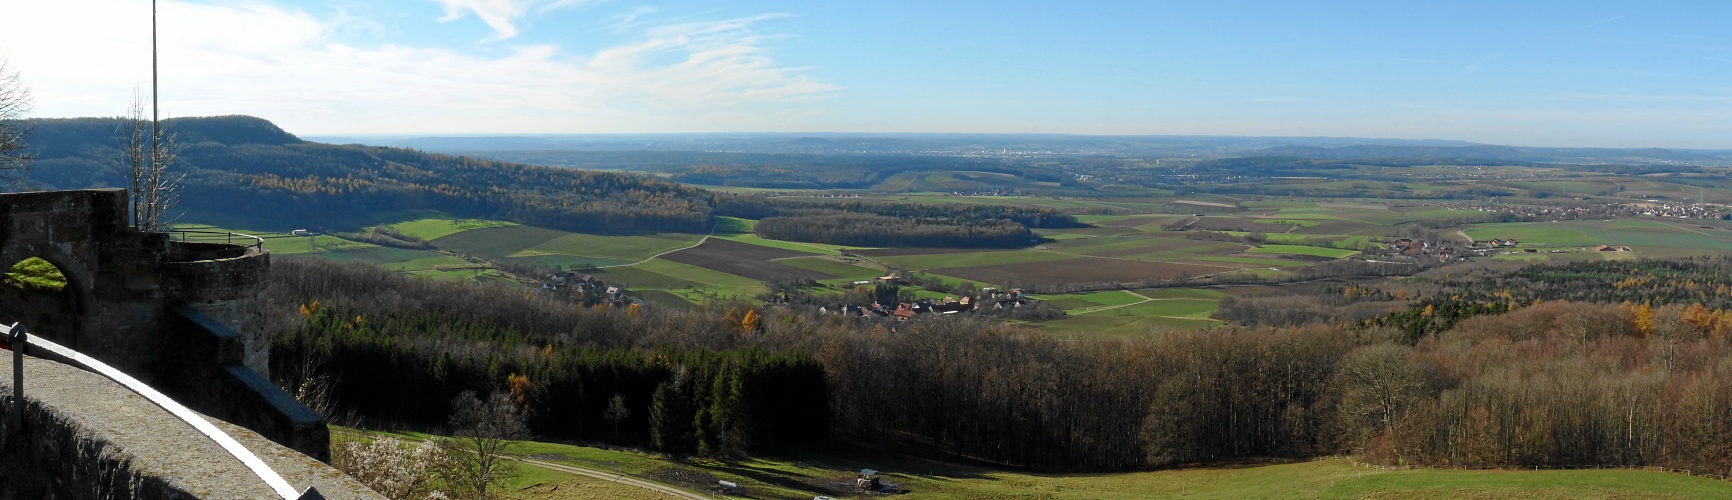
column 45, row 297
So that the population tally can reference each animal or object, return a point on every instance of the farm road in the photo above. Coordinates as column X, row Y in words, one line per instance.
column 1145, row 300
column 653, row 257
column 675, row 492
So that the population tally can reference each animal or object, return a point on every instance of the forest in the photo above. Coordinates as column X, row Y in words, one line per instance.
column 1548, row 383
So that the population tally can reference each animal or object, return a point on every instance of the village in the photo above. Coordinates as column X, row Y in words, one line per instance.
column 1448, row 251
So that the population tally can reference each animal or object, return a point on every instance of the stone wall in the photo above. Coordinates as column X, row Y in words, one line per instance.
column 85, row 436
column 182, row 317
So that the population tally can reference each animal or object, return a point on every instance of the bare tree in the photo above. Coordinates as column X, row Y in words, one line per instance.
column 393, row 468
column 616, row 412
column 483, row 432
column 14, row 102
column 147, row 151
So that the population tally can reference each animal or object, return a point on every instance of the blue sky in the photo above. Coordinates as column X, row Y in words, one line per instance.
column 1575, row 73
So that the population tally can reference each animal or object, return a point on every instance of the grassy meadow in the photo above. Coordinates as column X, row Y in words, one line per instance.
column 828, row 470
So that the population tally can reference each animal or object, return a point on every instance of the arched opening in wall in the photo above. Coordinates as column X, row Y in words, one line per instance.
column 37, row 293
column 36, row 275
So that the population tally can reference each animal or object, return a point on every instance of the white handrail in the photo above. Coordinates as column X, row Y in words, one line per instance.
column 222, row 439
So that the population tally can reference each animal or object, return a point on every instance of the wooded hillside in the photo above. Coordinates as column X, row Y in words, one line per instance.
column 1553, row 384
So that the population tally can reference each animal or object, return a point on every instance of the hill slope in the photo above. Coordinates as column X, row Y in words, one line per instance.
column 238, row 163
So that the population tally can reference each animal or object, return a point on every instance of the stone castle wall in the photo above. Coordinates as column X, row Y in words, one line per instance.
column 181, row 317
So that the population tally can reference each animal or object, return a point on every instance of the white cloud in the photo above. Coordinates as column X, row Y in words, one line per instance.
column 501, row 15
column 288, row 66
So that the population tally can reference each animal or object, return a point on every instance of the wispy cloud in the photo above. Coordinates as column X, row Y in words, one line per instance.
column 1489, row 58
column 287, row 65
column 1602, row 21
column 502, row 15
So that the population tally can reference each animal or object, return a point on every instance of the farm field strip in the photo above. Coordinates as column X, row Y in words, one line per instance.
column 753, row 239
column 1080, row 269
column 714, row 281
column 610, row 247
column 969, row 259
column 745, row 260
column 840, row 270
column 1333, row 253
column 434, row 228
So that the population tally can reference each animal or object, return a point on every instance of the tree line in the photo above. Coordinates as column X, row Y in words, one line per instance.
column 1554, row 383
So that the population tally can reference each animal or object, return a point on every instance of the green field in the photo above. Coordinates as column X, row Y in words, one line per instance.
column 841, row 270
column 1077, row 303
column 1333, row 253
column 1254, row 261
column 433, row 228
column 712, row 284
column 1647, row 237
column 971, row 259
column 808, row 471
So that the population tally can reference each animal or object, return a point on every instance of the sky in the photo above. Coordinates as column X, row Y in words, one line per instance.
column 1535, row 73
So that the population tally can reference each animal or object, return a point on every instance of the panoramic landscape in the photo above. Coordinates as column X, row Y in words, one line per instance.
column 586, row 249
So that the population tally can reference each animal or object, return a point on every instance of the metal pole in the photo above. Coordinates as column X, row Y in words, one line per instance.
column 17, row 337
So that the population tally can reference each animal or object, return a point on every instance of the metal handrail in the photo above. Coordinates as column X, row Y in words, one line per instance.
column 20, row 340
column 227, row 237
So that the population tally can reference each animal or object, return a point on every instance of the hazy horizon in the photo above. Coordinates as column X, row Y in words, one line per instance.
column 1548, row 74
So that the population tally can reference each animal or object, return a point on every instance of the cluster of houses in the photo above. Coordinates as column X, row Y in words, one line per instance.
column 581, row 284
column 989, row 299
column 1408, row 247
column 1546, row 213
column 1444, row 253
column 1685, row 210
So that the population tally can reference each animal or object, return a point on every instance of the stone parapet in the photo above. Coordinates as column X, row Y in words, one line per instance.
column 85, row 436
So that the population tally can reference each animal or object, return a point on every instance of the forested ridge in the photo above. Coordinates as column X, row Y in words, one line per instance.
column 239, row 163
column 245, row 164
column 1548, row 384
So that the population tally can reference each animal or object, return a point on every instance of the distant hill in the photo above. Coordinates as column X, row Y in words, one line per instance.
column 1508, row 154
column 240, row 163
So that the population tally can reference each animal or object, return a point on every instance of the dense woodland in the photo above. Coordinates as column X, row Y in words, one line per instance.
column 1554, row 383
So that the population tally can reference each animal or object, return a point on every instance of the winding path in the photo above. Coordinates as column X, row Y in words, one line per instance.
column 618, row 478
column 653, row 257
